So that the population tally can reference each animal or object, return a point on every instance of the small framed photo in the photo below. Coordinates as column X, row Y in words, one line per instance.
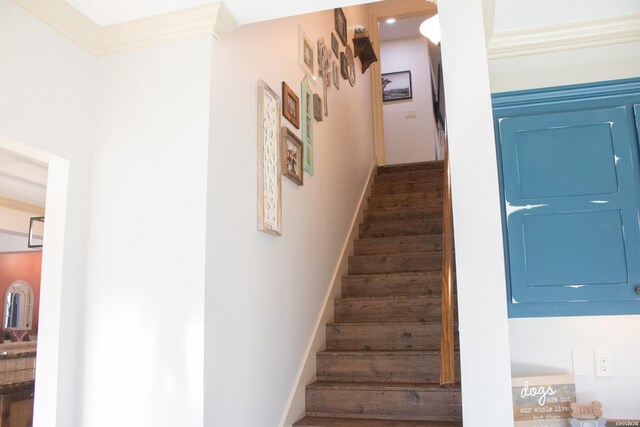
column 317, row 107
column 396, row 86
column 306, row 54
column 335, row 47
column 291, row 147
column 290, row 105
column 336, row 75
column 344, row 68
column 36, row 232
column 341, row 25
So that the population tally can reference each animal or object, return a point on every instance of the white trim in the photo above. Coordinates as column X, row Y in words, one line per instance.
column 307, row 371
column 553, row 38
column 210, row 19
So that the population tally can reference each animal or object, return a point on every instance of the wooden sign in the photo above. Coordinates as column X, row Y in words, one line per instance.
column 543, row 401
column 585, row 411
column 593, row 422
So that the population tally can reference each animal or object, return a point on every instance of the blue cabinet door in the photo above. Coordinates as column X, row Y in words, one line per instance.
column 571, row 194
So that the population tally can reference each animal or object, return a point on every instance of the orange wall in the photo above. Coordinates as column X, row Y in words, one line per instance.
column 21, row 266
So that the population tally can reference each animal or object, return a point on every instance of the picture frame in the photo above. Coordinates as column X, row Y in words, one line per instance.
column 36, row 232
column 317, row 107
column 306, row 54
column 336, row 75
column 306, row 101
column 290, row 105
column 351, row 65
column 397, row 86
column 335, row 47
column 344, row 71
column 292, row 154
column 269, row 178
column 341, row 25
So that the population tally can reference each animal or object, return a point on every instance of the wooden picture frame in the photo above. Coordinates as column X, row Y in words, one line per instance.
column 269, row 179
column 317, row 107
column 351, row 65
column 290, row 105
column 335, row 47
column 336, row 75
column 306, row 101
column 292, row 154
column 306, row 54
column 397, row 86
column 341, row 25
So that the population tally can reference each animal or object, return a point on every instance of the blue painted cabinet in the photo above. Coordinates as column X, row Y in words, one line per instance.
column 570, row 187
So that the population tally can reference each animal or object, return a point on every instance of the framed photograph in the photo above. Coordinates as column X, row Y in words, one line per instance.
column 344, row 71
column 307, row 126
column 336, row 75
column 396, row 86
column 317, row 107
column 341, row 25
column 290, row 105
column 306, row 54
column 351, row 65
column 269, row 178
column 291, row 154
column 335, row 47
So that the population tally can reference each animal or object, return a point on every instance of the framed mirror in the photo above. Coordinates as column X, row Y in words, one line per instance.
column 18, row 306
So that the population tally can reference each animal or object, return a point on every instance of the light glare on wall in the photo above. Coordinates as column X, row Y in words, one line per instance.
column 430, row 28
column 391, row 20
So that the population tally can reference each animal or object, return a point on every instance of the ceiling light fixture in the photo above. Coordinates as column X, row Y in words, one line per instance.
column 430, row 28
column 391, row 20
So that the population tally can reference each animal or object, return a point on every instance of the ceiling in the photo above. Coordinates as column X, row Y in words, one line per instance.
column 22, row 179
column 403, row 28
column 108, row 12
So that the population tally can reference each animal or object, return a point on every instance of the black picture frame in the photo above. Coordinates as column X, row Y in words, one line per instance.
column 397, row 86
column 341, row 25
column 35, row 240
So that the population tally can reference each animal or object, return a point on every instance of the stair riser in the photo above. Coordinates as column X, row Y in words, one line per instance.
column 395, row 367
column 381, row 189
column 427, row 175
column 398, row 245
column 397, row 263
column 388, row 310
column 392, row 336
column 400, row 228
column 380, row 404
column 405, row 201
column 403, row 214
column 372, row 286
column 408, row 167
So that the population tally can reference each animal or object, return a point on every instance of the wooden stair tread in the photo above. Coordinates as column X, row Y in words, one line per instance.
column 403, row 323
column 359, row 422
column 384, row 298
column 405, row 167
column 381, row 386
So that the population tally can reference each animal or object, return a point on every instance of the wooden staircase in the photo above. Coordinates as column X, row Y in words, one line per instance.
column 381, row 367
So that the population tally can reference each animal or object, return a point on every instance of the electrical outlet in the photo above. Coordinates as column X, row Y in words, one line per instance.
column 409, row 114
column 604, row 363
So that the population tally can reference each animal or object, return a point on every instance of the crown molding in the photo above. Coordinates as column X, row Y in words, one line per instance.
column 583, row 34
column 21, row 206
column 213, row 19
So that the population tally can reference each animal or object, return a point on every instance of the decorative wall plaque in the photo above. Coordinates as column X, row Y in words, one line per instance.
column 543, row 401
column 269, row 181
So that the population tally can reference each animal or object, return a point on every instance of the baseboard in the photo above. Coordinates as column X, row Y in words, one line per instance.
column 307, row 373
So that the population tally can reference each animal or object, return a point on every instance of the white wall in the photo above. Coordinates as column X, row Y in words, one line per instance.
column 409, row 140
column 264, row 293
column 46, row 103
column 540, row 346
column 482, row 307
column 145, row 285
column 14, row 242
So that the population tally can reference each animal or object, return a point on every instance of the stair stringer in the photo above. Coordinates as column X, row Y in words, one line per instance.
column 295, row 408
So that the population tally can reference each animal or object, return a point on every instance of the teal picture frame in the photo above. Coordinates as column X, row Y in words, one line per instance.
column 306, row 96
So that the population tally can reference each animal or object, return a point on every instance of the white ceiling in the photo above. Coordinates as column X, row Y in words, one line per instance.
column 22, row 179
column 403, row 28
column 108, row 12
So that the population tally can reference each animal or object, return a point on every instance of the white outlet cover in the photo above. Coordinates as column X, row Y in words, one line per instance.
column 604, row 363
column 583, row 362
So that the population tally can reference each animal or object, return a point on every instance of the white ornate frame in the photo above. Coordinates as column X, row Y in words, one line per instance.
column 269, row 179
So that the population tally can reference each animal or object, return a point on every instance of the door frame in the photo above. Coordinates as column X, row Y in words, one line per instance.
column 380, row 11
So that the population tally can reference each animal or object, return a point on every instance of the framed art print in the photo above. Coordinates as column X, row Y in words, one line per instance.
column 307, row 126
column 292, row 155
column 290, row 105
